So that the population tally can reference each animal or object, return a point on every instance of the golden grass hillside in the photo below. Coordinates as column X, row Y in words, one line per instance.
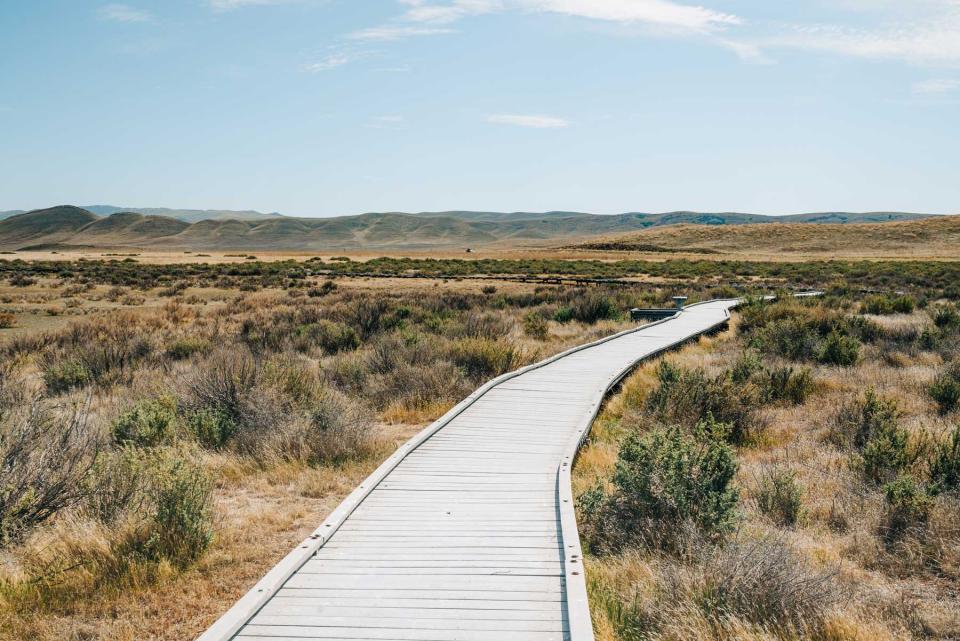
column 933, row 238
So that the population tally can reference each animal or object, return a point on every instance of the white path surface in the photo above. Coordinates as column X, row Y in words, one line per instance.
column 467, row 533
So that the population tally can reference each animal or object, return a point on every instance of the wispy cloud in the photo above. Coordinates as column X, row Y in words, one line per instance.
column 932, row 39
column 397, row 32
column 654, row 12
column 936, row 86
column 123, row 13
column 332, row 61
column 529, row 121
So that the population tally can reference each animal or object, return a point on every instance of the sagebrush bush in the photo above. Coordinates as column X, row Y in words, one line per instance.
column 332, row 337
column 689, row 396
column 907, row 508
column 787, row 384
column 7, row 320
column 945, row 464
column 179, row 525
column 838, row 349
column 664, row 481
column 536, row 326
column 187, row 346
column 46, row 455
column 149, row 423
column 482, row 359
column 765, row 582
column 61, row 376
column 886, row 454
column 592, row 307
column 779, row 496
column 945, row 389
column 883, row 304
column 947, row 316
column 857, row 420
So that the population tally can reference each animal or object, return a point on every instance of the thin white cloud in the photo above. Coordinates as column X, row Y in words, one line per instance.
column 936, row 86
column 123, row 13
column 654, row 12
column 397, row 32
column 529, row 121
column 332, row 61
column 932, row 40
column 664, row 13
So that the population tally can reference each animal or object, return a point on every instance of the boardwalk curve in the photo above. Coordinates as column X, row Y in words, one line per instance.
column 467, row 532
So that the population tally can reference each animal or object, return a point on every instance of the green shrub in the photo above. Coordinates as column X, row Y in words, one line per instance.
column 211, row 426
column 186, row 347
column 786, row 384
column 564, row 315
column 482, row 358
column 330, row 336
column 690, row 396
column 857, row 421
column 886, row 454
column 882, row 304
column 946, row 389
column 535, row 326
column 63, row 376
column 946, row 317
column 780, row 496
column 907, row 506
column 746, row 366
column 593, row 307
column 664, row 483
column 838, row 349
column 945, row 466
column 179, row 528
column 149, row 423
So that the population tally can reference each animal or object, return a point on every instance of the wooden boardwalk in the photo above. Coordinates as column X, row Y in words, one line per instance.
column 467, row 533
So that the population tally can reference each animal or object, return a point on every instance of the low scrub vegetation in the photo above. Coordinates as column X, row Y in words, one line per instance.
column 840, row 497
column 126, row 441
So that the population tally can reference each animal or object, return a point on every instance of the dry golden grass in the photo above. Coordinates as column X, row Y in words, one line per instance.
column 887, row 593
column 934, row 238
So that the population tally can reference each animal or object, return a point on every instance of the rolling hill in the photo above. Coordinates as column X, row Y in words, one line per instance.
column 75, row 226
column 937, row 237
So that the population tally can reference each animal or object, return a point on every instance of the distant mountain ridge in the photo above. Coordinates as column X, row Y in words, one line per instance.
column 69, row 225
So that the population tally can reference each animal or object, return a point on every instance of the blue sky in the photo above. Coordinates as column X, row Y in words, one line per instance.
column 324, row 107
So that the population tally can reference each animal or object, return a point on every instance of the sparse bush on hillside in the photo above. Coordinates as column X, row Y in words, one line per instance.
column 7, row 320
column 665, row 482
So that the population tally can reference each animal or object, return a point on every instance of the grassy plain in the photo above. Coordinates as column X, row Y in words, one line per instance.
column 205, row 412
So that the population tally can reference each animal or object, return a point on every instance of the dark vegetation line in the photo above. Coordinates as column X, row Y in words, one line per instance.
column 880, row 275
